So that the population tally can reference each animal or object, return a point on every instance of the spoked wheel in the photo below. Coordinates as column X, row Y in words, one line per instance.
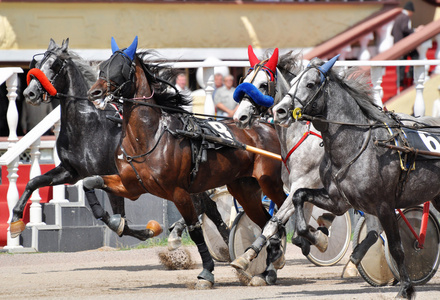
column 373, row 267
column 421, row 264
column 243, row 233
column 217, row 247
column 338, row 239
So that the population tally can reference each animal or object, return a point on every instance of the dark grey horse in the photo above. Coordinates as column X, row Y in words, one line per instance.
column 87, row 139
column 355, row 170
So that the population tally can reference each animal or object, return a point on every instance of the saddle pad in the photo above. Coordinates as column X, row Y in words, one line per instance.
column 423, row 140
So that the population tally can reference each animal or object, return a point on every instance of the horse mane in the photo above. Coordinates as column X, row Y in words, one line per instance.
column 89, row 72
column 356, row 83
column 290, row 65
column 160, row 77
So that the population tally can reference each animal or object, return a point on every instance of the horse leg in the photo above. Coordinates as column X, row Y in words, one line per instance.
column 389, row 223
column 373, row 229
column 58, row 175
column 116, row 192
column 187, row 210
column 320, row 198
column 211, row 211
column 271, row 228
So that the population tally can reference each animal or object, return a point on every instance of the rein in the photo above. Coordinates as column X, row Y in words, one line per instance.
column 303, row 138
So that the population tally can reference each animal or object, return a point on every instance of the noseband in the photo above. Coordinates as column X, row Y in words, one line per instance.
column 297, row 112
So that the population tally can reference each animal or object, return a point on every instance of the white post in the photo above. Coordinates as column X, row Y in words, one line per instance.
column 58, row 190
column 384, row 38
column 377, row 74
column 437, row 53
column 419, row 80
column 364, row 54
column 12, row 117
column 422, row 49
column 35, row 209
column 208, row 77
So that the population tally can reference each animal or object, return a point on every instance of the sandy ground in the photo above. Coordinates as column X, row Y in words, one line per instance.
column 138, row 274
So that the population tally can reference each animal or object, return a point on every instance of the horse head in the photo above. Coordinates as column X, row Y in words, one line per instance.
column 116, row 76
column 255, row 94
column 305, row 94
column 47, row 73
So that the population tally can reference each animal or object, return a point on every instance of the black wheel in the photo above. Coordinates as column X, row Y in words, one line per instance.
column 243, row 233
column 338, row 239
column 373, row 268
column 217, row 247
column 421, row 264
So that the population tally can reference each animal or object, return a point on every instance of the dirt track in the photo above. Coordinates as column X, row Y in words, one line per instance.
column 138, row 274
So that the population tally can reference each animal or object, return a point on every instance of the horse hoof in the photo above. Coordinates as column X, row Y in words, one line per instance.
column 155, row 227
column 321, row 241
column 258, row 281
column 271, row 277
column 280, row 262
column 349, row 271
column 240, row 263
column 117, row 224
column 16, row 228
column 174, row 243
column 203, row 284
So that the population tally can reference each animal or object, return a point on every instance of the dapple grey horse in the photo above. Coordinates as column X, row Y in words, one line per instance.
column 356, row 169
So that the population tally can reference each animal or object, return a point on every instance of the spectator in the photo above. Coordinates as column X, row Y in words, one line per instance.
column 224, row 102
column 181, row 86
column 402, row 28
column 218, row 82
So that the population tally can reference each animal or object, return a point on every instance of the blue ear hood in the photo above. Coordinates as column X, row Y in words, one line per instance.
column 254, row 93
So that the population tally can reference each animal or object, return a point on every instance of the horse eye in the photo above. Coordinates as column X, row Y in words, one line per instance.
column 310, row 85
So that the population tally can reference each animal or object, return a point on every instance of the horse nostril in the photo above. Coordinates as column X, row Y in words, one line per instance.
column 95, row 94
column 281, row 112
column 243, row 118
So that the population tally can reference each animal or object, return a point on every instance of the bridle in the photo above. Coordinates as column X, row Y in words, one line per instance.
column 297, row 112
column 57, row 67
column 121, row 81
column 271, row 86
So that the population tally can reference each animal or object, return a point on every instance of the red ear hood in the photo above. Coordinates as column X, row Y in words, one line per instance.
column 252, row 57
column 273, row 61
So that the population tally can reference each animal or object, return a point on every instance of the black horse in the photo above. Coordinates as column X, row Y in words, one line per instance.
column 87, row 139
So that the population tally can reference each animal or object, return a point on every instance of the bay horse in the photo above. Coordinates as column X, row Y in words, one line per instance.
column 301, row 150
column 153, row 157
column 87, row 139
column 360, row 165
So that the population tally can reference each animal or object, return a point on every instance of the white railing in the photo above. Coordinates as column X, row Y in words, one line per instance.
column 32, row 139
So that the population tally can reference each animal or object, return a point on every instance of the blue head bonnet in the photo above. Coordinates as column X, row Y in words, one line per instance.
column 326, row 67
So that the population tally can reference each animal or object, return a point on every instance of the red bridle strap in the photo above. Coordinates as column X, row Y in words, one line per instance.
column 303, row 138
column 41, row 77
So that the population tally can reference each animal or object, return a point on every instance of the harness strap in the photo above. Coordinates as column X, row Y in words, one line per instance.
column 303, row 138
column 130, row 161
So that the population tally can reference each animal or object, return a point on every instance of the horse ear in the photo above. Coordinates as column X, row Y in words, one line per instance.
column 114, row 45
column 252, row 57
column 273, row 61
column 328, row 65
column 52, row 44
column 131, row 50
column 65, row 45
